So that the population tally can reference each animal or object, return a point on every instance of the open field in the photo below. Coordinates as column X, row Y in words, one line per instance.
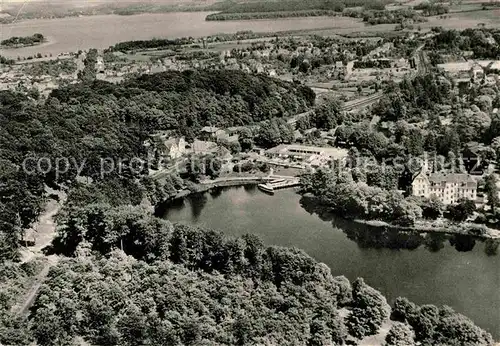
column 31, row 9
column 492, row 15
column 463, row 20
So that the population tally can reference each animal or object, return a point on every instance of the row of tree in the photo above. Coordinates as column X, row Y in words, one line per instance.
column 432, row 9
column 269, row 15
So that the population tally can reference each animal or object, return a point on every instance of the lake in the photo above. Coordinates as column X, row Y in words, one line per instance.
column 74, row 33
column 458, row 271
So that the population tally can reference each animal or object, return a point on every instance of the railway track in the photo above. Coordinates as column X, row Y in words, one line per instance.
column 362, row 102
column 423, row 64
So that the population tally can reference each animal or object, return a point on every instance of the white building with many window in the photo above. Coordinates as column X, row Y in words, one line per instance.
column 448, row 188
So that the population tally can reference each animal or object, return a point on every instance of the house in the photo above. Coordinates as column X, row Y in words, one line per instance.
column 494, row 67
column 305, row 152
column 163, row 145
column 157, row 68
column 448, row 188
column 175, row 147
column 204, row 147
column 491, row 80
column 224, row 154
column 99, row 66
column 210, row 132
column 476, row 72
column 297, row 136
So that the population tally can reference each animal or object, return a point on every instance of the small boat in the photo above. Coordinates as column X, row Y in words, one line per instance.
column 266, row 188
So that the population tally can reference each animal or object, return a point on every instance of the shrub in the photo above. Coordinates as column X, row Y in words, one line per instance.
column 400, row 334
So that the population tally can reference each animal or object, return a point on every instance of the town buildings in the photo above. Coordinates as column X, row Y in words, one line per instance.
column 163, row 145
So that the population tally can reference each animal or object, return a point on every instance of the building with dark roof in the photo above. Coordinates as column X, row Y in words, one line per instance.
column 448, row 188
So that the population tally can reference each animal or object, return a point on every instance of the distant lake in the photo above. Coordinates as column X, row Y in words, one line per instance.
column 439, row 269
column 74, row 33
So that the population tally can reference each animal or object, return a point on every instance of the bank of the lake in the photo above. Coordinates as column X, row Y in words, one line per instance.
column 422, row 226
column 460, row 271
column 74, row 33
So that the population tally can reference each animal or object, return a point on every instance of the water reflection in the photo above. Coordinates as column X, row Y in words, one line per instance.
column 250, row 188
column 197, row 202
column 425, row 267
column 463, row 243
column 172, row 206
column 491, row 247
column 365, row 236
column 368, row 236
column 435, row 241
column 216, row 192
column 382, row 238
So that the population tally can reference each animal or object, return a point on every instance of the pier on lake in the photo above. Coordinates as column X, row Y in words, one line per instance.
column 279, row 183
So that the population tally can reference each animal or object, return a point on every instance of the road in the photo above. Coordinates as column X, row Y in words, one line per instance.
column 45, row 231
column 22, row 309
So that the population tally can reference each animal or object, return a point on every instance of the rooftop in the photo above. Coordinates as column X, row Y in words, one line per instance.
column 295, row 149
column 443, row 178
column 202, row 146
column 210, row 129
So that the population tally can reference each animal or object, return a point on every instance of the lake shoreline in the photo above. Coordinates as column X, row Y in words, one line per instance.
column 431, row 268
column 19, row 46
column 118, row 28
column 422, row 226
column 206, row 187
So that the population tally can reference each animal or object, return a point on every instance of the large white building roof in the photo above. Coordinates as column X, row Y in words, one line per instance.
column 303, row 150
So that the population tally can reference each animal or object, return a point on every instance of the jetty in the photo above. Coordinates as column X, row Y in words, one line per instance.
column 279, row 183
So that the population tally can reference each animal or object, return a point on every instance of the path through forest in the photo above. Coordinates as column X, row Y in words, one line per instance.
column 43, row 232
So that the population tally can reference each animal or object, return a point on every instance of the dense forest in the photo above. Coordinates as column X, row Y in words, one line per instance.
column 175, row 44
column 268, row 15
column 126, row 277
column 372, row 12
column 375, row 17
column 150, row 44
column 178, row 285
column 293, row 5
column 230, row 10
column 86, row 122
